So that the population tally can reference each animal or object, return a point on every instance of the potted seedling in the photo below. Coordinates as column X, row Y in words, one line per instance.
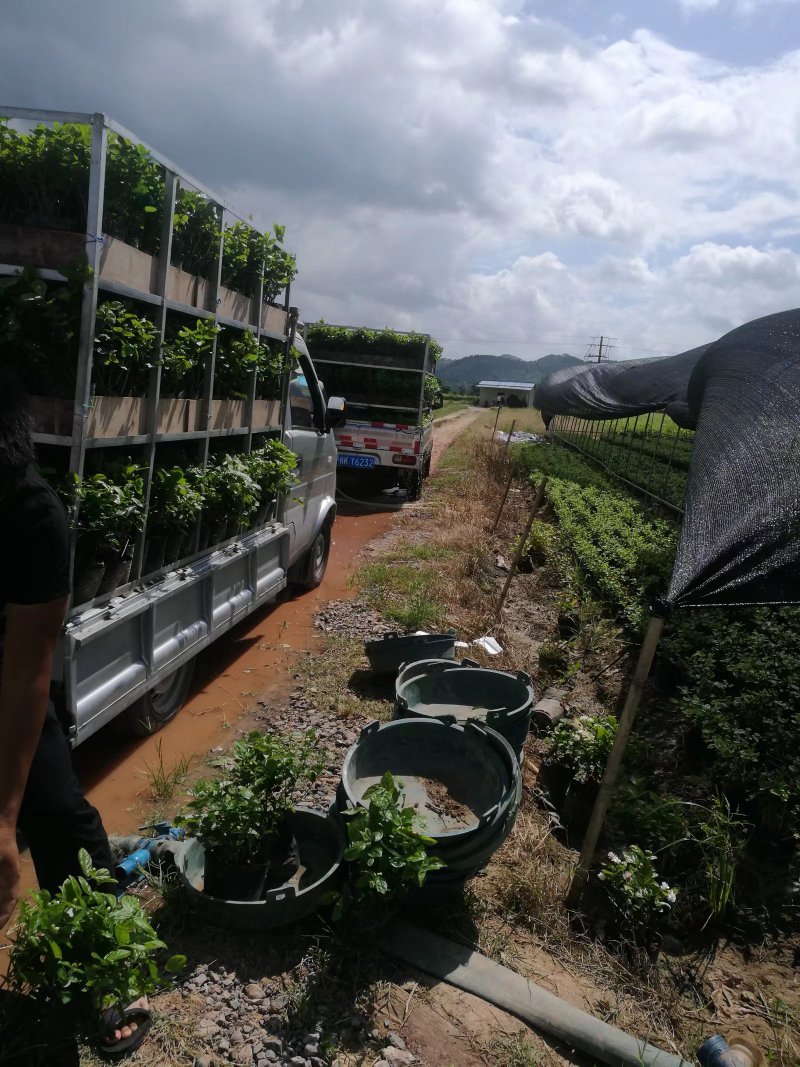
column 111, row 514
column 231, row 498
column 273, row 469
column 82, row 955
column 175, row 505
column 241, row 818
column 387, row 850
column 573, row 767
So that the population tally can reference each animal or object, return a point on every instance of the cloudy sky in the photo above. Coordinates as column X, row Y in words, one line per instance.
column 510, row 176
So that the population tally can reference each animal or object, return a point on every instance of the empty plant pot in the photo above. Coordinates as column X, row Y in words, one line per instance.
column 501, row 700
column 389, row 653
column 117, row 573
column 459, row 778
column 155, row 553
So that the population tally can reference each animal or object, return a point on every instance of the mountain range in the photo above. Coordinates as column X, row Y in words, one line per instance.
column 468, row 371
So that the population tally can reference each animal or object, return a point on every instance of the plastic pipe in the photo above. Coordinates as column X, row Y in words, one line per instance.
column 498, row 985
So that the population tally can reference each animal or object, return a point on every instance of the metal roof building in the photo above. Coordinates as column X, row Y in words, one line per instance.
column 513, row 394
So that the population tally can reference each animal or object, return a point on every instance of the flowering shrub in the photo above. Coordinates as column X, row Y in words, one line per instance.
column 633, row 885
column 583, row 745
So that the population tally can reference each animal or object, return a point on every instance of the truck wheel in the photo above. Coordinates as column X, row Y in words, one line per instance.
column 426, row 470
column 414, row 489
column 312, row 567
column 158, row 707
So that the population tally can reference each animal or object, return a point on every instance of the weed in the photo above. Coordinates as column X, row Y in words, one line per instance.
column 162, row 782
column 722, row 836
column 512, row 1050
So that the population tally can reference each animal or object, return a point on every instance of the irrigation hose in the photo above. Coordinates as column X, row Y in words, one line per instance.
column 539, row 1008
column 366, row 504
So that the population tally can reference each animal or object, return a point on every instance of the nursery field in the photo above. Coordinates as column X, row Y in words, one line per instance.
column 649, row 451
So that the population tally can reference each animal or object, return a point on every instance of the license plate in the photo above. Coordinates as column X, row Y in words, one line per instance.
column 364, row 462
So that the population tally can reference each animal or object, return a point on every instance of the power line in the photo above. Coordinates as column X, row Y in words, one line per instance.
column 599, row 348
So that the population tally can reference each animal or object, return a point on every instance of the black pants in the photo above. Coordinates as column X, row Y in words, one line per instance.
column 55, row 817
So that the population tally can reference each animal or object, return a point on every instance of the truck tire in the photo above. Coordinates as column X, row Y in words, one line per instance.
column 414, row 486
column 310, row 570
column 158, row 707
column 426, row 468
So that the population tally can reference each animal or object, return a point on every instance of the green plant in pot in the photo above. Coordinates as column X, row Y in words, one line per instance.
column 82, row 951
column 575, row 764
column 110, row 516
column 387, row 851
column 176, row 502
column 184, row 354
column 237, row 359
column 125, row 350
column 231, row 497
column 273, row 469
column 242, row 818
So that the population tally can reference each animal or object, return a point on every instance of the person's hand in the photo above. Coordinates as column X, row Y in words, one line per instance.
column 9, row 873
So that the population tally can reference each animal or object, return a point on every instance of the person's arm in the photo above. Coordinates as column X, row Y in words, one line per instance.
column 30, row 639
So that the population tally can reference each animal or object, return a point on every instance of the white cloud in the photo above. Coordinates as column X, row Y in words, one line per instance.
column 744, row 7
column 463, row 167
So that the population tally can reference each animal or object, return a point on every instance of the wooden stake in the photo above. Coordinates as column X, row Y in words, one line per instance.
column 503, row 501
column 537, row 503
column 507, row 441
column 611, row 773
column 497, row 416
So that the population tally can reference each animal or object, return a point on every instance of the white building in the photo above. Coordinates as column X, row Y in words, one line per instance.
column 512, row 394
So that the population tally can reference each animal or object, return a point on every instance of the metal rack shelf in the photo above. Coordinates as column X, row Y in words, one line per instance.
column 95, row 249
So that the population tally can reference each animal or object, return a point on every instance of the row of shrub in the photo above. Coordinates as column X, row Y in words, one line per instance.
column 39, row 323
column 44, row 181
column 365, row 341
column 734, row 672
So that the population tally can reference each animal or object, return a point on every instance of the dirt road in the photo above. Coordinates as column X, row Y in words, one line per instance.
column 253, row 661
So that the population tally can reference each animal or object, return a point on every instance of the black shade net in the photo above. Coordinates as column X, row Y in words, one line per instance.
column 740, row 540
column 618, row 390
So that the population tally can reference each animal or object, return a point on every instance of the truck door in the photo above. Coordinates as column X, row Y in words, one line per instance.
column 315, row 490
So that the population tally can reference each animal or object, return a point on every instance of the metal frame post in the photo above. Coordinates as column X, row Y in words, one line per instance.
column 165, row 255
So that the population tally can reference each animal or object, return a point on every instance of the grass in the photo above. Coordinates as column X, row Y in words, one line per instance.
column 450, row 407
column 164, row 783
column 340, row 682
column 513, row 1050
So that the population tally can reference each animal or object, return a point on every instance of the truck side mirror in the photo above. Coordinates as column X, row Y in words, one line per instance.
column 335, row 412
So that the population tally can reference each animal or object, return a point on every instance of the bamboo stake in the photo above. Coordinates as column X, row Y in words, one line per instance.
column 537, row 503
column 503, row 501
column 611, row 773
column 496, row 418
column 508, row 439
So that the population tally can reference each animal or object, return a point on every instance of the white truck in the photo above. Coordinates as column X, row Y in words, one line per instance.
column 391, row 390
column 128, row 650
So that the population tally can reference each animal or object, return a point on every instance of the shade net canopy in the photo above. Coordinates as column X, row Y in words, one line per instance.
column 740, row 540
column 618, row 390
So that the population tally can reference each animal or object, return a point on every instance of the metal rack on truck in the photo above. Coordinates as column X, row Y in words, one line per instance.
column 388, row 378
column 116, row 250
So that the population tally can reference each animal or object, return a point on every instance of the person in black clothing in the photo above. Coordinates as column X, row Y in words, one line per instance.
column 39, row 792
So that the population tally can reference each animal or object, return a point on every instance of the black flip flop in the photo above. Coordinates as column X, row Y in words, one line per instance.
column 113, row 1020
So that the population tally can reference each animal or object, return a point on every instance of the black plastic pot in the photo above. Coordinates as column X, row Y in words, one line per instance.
column 155, row 553
column 86, row 583
column 230, row 881
column 175, row 546
column 117, row 573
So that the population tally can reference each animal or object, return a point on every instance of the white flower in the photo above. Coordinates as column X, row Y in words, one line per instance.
column 627, row 876
column 672, row 896
column 613, row 857
column 601, row 876
column 664, row 885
